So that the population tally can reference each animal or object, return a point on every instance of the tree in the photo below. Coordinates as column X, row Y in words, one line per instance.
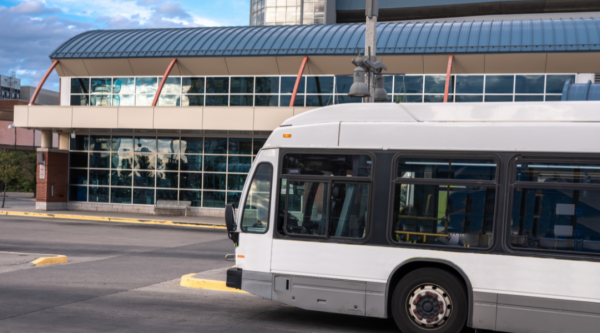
column 10, row 169
column 30, row 169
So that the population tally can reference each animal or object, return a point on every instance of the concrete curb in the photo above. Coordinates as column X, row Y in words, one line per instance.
column 115, row 219
column 43, row 261
column 190, row 281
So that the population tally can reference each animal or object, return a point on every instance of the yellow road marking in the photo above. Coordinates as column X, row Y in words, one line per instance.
column 114, row 219
column 50, row 259
column 189, row 281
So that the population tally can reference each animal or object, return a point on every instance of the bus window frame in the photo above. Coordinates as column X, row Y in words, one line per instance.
column 270, row 198
column 329, row 179
column 496, row 184
column 513, row 184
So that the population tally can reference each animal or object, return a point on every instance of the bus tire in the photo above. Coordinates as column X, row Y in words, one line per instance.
column 430, row 300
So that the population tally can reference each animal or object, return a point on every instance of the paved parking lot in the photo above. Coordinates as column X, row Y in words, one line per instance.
column 125, row 278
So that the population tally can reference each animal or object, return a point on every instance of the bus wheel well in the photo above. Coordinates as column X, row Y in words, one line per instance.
column 410, row 266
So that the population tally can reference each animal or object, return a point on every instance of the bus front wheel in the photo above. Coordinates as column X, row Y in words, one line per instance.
column 430, row 300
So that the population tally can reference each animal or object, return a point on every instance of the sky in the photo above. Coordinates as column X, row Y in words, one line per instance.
column 31, row 29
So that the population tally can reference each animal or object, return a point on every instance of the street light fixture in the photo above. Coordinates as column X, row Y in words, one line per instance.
column 11, row 126
column 73, row 135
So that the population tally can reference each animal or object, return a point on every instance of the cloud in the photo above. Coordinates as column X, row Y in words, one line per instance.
column 32, row 7
column 148, row 2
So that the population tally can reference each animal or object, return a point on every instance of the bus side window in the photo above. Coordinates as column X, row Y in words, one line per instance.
column 255, row 217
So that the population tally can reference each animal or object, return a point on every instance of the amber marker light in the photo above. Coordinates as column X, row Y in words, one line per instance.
column 287, row 135
column 241, row 256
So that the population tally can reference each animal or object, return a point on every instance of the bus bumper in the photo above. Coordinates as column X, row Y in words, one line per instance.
column 234, row 278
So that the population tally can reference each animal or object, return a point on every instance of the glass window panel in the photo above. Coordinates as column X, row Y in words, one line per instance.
column 191, row 162
column 459, row 216
column 553, row 98
column 558, row 173
column 215, row 163
column 194, row 196
column 409, row 84
column 239, row 164
column 530, row 84
column 307, row 208
column 270, row 15
column 388, row 83
column 144, row 100
column 168, row 100
column 556, row 83
column 267, row 85
column 435, row 84
column 234, row 199
column 215, row 145
column 100, row 100
column 280, row 18
column 258, row 144
column 319, row 100
column 143, row 196
column 80, row 100
column 240, row 146
column 216, row 100
column 145, row 161
column 78, row 160
column 285, row 100
column 167, row 162
column 99, row 194
column 288, row 82
column 471, row 84
column 255, row 217
column 499, row 84
column 120, row 195
column 145, row 145
column 343, row 84
column 242, row 85
column 172, row 85
column 101, row 85
column 266, row 100
column 343, row 99
column 429, row 168
column 241, row 100
column 214, row 199
column 78, row 193
column 99, row 177
column 99, row 143
column 217, row 85
column 191, row 145
column 236, row 182
column 190, row 180
column 349, row 210
column 80, row 142
column 123, row 85
column 414, row 98
column 168, row 145
column 143, row 178
column 80, row 86
column 120, row 177
column 498, row 98
column 193, row 85
column 435, row 98
column 123, row 100
column 167, row 179
column 166, row 195
column 468, row 98
column 100, row 160
column 529, row 98
column 78, row 176
column 327, row 165
column 146, row 85
column 319, row 85
column 122, row 143
column 214, row 181
column 192, row 100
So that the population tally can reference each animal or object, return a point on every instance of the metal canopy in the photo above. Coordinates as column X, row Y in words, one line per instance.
column 471, row 37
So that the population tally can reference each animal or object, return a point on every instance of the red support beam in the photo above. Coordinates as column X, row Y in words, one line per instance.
column 298, row 80
column 448, row 72
column 162, row 82
column 39, row 87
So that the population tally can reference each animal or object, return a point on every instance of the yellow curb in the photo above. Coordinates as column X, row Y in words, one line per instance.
column 189, row 281
column 114, row 219
column 50, row 260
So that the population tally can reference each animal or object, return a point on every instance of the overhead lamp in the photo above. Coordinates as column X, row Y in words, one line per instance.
column 359, row 87
column 10, row 126
column 381, row 94
column 73, row 135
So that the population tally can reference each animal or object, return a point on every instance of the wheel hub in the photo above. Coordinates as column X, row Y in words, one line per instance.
column 429, row 305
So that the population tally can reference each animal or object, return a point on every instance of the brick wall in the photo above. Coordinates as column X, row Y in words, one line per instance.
column 57, row 174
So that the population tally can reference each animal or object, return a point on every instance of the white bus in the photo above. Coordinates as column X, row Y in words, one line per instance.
column 441, row 216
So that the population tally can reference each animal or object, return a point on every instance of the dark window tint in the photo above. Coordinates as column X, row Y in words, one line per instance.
column 435, row 84
column 100, row 160
column 193, row 85
column 285, row 100
column 235, row 182
column 529, row 84
column 99, row 194
column 191, row 162
column 99, row 143
column 190, row 180
column 553, row 98
column 319, row 85
column 468, row 98
column 319, row 100
column 288, row 82
column 343, row 84
column 472, row 84
column 192, row 100
column 241, row 100
column 498, row 98
column 443, row 215
column 415, row 98
column 120, row 178
column 529, row 98
column 194, row 196
column 143, row 178
column 191, row 145
column 342, row 99
column 217, row 85
column 167, row 162
column 166, row 179
column 78, row 177
column 307, row 208
column 555, row 83
column 215, row 163
column 255, row 217
column 120, row 195
column 143, row 196
column 215, row 146
column 216, row 100
column 267, row 85
column 214, row 199
column 234, row 199
column 499, row 84
column 99, row 177
column 78, row 160
column 214, row 181
column 166, row 195
column 80, row 86
column 349, row 203
column 258, row 144
column 80, row 142
column 408, row 84
column 145, row 161
column 78, row 193
column 239, row 163
column 266, row 100
column 431, row 168
column 80, row 100
column 327, row 165
column 566, row 173
column 242, row 85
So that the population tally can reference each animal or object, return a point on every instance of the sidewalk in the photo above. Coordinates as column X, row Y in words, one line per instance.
column 26, row 207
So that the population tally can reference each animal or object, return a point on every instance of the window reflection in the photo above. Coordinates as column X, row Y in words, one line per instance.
column 146, row 85
column 124, row 85
column 255, row 217
column 101, row 85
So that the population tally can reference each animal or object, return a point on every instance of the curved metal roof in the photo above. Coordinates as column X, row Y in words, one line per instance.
column 566, row 35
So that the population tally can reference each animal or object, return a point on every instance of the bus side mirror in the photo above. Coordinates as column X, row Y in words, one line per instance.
column 230, row 217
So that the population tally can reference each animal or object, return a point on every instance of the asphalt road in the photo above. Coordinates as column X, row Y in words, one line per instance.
column 125, row 278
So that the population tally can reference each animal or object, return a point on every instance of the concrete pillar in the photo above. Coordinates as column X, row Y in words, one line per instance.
column 52, row 188
column 46, row 139
column 64, row 141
